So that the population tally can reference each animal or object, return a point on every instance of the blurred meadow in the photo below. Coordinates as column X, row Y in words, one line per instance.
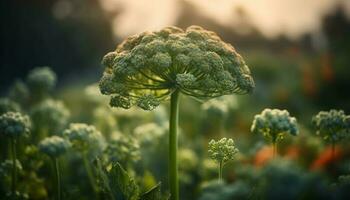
column 50, row 67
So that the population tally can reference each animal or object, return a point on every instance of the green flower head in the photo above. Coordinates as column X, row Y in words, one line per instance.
column 14, row 124
column 54, row 146
column 145, row 69
column 332, row 126
column 6, row 105
column 84, row 137
column 41, row 80
column 51, row 114
column 222, row 150
column 123, row 149
column 274, row 123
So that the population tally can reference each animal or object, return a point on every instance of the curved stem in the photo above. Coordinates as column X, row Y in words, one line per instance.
column 173, row 142
column 14, row 167
column 90, row 174
column 58, row 178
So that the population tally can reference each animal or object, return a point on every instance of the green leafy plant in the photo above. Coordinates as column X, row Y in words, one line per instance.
column 274, row 124
column 14, row 125
column 222, row 151
column 116, row 180
column 152, row 67
column 54, row 147
column 86, row 139
column 332, row 126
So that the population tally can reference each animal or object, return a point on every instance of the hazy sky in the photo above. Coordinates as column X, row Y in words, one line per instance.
column 271, row 17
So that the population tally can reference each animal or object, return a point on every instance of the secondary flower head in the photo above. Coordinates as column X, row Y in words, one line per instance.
column 14, row 124
column 6, row 105
column 274, row 123
column 50, row 114
column 332, row 126
column 84, row 137
column 123, row 149
column 54, row 146
column 41, row 80
column 146, row 68
column 222, row 150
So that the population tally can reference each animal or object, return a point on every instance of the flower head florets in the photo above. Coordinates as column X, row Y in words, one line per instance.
column 41, row 80
column 50, row 114
column 84, row 137
column 274, row 123
column 222, row 150
column 6, row 105
column 146, row 68
column 14, row 124
column 54, row 146
column 123, row 149
column 332, row 126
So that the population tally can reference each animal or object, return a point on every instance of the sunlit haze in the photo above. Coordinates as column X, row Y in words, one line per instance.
column 271, row 17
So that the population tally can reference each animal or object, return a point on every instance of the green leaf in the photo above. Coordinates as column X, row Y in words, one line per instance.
column 124, row 182
column 154, row 194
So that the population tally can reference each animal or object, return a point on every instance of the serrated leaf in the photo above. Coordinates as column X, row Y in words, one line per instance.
column 124, row 182
column 154, row 194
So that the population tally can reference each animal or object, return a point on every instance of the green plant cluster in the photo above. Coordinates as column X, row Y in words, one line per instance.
column 14, row 124
column 223, row 150
column 54, row 146
column 84, row 137
column 274, row 124
column 332, row 126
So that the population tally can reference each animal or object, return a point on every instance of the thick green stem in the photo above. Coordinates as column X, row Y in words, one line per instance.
column 220, row 171
column 90, row 174
column 58, row 178
column 173, row 125
column 14, row 167
column 274, row 149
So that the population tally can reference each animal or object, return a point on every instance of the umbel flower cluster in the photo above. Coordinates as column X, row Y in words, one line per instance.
column 146, row 68
column 332, row 126
column 274, row 123
column 51, row 114
column 54, row 146
column 222, row 150
column 41, row 80
column 14, row 124
column 84, row 137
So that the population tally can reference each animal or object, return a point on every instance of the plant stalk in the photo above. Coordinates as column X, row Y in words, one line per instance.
column 90, row 174
column 220, row 171
column 14, row 167
column 58, row 178
column 274, row 149
column 173, row 143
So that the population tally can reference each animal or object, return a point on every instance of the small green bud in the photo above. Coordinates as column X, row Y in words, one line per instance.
column 54, row 146
column 222, row 150
column 84, row 137
column 274, row 123
column 332, row 126
column 14, row 124
column 41, row 80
